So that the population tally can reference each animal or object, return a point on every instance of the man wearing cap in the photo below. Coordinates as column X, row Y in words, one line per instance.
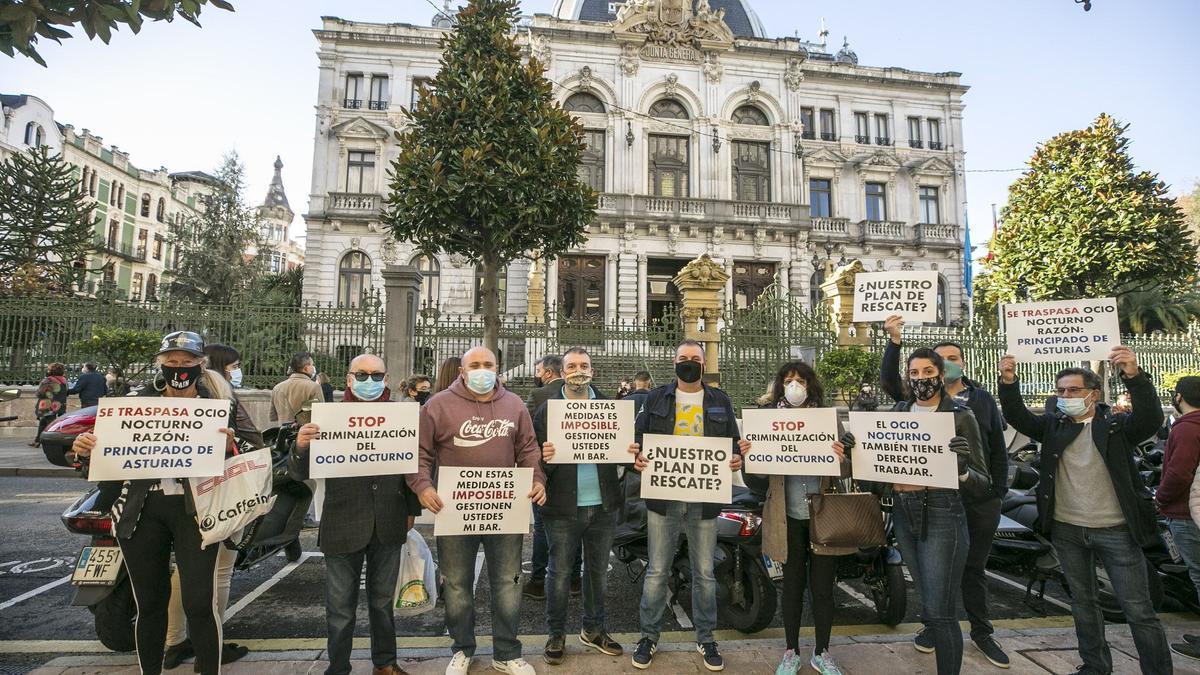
column 1179, row 470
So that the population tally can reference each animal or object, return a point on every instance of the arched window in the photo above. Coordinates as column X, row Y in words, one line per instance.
column 431, row 273
column 354, row 278
column 162, row 210
column 668, row 108
column 583, row 102
column 749, row 114
column 146, row 206
column 815, row 295
column 33, row 134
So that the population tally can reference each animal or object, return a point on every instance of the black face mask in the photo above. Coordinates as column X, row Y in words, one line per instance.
column 537, row 383
column 421, row 397
column 182, row 378
column 689, row 371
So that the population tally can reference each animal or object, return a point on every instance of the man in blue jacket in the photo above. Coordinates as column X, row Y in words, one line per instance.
column 90, row 386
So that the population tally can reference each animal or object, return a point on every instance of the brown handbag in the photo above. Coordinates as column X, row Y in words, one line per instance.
column 845, row 519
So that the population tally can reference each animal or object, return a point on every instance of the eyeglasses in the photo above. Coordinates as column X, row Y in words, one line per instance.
column 362, row 377
column 1071, row 391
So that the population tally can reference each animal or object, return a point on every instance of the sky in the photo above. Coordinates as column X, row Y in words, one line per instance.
column 180, row 97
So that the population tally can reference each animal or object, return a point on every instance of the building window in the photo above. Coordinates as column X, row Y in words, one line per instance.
column 862, row 128
column 417, row 92
column 668, row 108
column 828, row 127
column 34, row 134
column 145, row 206
column 815, row 295
column 914, row 132
column 935, row 134
column 882, row 135
column 749, row 114
column 752, row 171
column 120, row 196
column 151, row 286
column 354, row 91
column 750, row 280
column 669, row 166
column 583, row 102
column 820, row 196
column 360, row 171
column 591, row 166
column 354, row 279
column 93, row 186
column 142, row 242
column 135, row 287
column 501, row 284
column 876, row 201
column 379, row 93
column 809, row 121
column 158, row 247
column 431, row 273
column 276, row 262
column 161, row 214
column 581, row 287
column 929, row 204
column 114, row 234
column 943, row 302
column 112, row 193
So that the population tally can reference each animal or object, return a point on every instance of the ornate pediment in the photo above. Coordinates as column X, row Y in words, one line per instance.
column 669, row 30
column 884, row 161
column 359, row 127
column 932, row 165
column 824, row 156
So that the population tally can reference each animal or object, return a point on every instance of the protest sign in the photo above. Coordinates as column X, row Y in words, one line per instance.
column 791, row 441
column 159, row 437
column 912, row 295
column 483, row 500
column 590, row 431
column 1062, row 330
column 904, row 448
column 364, row 439
column 687, row 468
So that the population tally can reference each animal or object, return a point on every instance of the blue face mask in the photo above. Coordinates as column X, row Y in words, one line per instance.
column 235, row 378
column 368, row 390
column 1073, row 407
column 954, row 371
column 481, row 381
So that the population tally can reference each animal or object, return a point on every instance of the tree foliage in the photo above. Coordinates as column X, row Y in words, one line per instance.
column 23, row 22
column 1158, row 309
column 45, row 224
column 211, row 245
column 130, row 350
column 1082, row 223
column 280, row 288
column 488, row 166
column 844, row 369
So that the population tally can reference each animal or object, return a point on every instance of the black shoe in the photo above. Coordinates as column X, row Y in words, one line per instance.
column 535, row 589
column 924, row 642
column 601, row 642
column 175, row 654
column 644, row 653
column 232, row 651
column 310, row 523
column 1187, row 650
column 712, row 657
column 556, row 648
column 992, row 651
column 576, row 587
column 1085, row 669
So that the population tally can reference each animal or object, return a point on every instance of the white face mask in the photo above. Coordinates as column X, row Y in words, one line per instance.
column 235, row 378
column 795, row 393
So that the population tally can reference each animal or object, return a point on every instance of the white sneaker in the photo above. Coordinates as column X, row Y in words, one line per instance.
column 459, row 664
column 517, row 666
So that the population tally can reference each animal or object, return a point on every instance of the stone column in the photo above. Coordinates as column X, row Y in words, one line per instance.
column 535, row 311
column 839, row 293
column 402, row 285
column 627, row 286
column 785, row 285
column 700, row 283
column 642, row 290
column 552, row 286
column 610, row 287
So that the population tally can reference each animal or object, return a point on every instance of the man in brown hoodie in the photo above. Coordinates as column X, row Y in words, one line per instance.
column 1180, row 461
column 477, row 422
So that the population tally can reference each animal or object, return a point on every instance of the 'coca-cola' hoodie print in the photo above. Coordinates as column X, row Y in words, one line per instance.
column 457, row 430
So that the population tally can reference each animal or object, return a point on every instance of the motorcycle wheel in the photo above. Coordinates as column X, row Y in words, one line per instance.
column 1106, row 596
column 756, row 609
column 891, row 601
column 115, row 616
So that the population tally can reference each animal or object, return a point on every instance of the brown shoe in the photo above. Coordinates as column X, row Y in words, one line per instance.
column 389, row 669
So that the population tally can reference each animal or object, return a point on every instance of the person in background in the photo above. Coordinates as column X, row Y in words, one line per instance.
column 548, row 382
column 624, row 388
column 642, row 384
column 115, row 379
column 547, row 374
column 326, row 387
column 1180, row 461
column 90, row 386
column 417, row 388
column 299, row 388
column 448, row 372
column 51, row 399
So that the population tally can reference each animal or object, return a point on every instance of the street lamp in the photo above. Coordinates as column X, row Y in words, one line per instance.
column 628, row 134
column 716, row 140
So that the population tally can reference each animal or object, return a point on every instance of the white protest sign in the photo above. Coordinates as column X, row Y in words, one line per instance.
column 483, row 500
column 687, row 468
column 912, row 295
column 159, row 437
column 590, row 431
column 364, row 439
column 1062, row 330
column 904, row 447
column 791, row 441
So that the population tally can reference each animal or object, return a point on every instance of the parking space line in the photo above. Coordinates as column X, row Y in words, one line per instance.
column 681, row 616
column 37, row 591
column 266, row 585
column 1003, row 579
column 864, row 600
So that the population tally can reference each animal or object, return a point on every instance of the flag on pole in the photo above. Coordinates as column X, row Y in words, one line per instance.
column 968, row 270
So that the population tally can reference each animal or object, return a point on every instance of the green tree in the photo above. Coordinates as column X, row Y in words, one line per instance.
column 488, row 166
column 45, row 224
column 844, row 369
column 22, row 22
column 280, row 288
column 213, row 267
column 1158, row 309
column 130, row 350
column 1082, row 223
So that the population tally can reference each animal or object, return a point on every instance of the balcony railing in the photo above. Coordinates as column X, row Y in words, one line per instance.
column 826, row 136
column 686, row 209
column 831, row 227
column 353, row 103
column 353, row 205
column 377, row 105
column 808, row 135
column 915, row 143
column 882, row 140
column 862, row 140
column 937, row 233
column 935, row 145
column 889, row 231
column 120, row 249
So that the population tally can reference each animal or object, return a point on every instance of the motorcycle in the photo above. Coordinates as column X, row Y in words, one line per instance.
column 882, row 570
column 6, row 396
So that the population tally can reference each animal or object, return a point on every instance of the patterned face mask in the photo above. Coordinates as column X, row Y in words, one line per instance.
column 925, row 388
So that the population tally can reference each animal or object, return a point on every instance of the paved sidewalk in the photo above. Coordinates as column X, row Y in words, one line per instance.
column 18, row 459
column 1037, row 647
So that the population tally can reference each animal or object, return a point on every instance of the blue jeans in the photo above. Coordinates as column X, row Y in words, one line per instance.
column 541, row 549
column 663, row 541
column 1078, row 548
column 931, row 529
column 456, row 559
column 342, row 574
column 593, row 527
column 1187, row 539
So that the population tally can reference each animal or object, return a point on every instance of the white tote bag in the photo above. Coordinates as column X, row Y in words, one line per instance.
column 416, row 587
column 227, row 503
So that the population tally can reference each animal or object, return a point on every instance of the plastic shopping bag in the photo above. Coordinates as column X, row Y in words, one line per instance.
column 228, row 503
column 416, row 588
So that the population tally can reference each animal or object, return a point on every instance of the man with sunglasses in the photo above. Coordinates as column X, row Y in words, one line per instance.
column 365, row 519
column 1092, row 502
